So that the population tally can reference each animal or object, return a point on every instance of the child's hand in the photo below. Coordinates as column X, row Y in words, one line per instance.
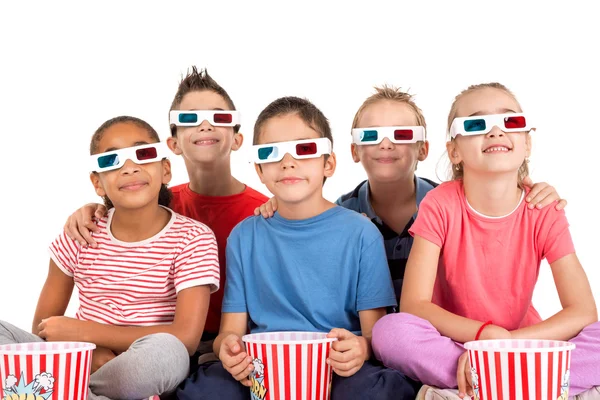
column 542, row 194
column 463, row 376
column 235, row 359
column 80, row 223
column 268, row 209
column 101, row 356
column 348, row 353
column 63, row 329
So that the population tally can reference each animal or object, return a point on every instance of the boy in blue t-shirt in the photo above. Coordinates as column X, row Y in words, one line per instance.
column 314, row 266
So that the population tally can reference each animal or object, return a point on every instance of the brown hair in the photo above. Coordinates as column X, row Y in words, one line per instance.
column 392, row 93
column 198, row 81
column 307, row 111
column 457, row 170
column 165, row 195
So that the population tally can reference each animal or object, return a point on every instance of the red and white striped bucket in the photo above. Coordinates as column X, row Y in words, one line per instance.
column 520, row 369
column 45, row 370
column 289, row 365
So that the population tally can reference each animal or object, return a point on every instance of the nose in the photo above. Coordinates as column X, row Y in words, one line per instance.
column 129, row 168
column 386, row 144
column 495, row 132
column 205, row 126
column 288, row 161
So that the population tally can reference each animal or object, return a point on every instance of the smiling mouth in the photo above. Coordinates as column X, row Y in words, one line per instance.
column 497, row 149
column 386, row 160
column 133, row 186
column 206, row 142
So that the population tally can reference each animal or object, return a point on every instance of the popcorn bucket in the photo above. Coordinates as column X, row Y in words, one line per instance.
column 289, row 365
column 520, row 369
column 45, row 371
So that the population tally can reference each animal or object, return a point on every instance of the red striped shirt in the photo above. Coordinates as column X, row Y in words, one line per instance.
column 122, row 283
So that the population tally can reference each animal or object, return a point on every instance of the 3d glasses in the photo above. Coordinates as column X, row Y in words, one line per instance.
column 196, row 117
column 396, row 134
column 115, row 159
column 482, row 124
column 299, row 149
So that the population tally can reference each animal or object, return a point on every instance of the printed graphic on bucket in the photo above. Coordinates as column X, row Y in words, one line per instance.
column 38, row 389
column 258, row 391
column 45, row 371
column 289, row 365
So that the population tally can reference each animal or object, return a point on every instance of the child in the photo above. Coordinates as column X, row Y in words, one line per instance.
column 205, row 140
column 392, row 194
column 490, row 246
column 298, row 271
column 144, row 289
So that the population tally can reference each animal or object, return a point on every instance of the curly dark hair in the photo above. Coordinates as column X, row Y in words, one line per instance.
column 165, row 195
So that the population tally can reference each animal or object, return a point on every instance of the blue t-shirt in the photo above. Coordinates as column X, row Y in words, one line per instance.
column 306, row 275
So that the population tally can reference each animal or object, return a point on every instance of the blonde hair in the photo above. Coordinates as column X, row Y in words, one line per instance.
column 392, row 93
column 456, row 171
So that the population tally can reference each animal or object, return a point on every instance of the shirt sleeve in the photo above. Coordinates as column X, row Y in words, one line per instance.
column 555, row 236
column 64, row 252
column 375, row 289
column 234, row 298
column 430, row 222
column 198, row 262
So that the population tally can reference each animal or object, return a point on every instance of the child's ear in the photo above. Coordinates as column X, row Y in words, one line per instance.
column 173, row 144
column 330, row 164
column 423, row 151
column 95, row 178
column 528, row 145
column 259, row 171
column 355, row 155
column 238, row 139
column 166, row 169
column 453, row 154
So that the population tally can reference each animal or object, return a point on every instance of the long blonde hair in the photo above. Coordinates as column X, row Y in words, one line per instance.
column 456, row 171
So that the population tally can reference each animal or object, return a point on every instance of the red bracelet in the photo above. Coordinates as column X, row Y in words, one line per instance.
column 481, row 329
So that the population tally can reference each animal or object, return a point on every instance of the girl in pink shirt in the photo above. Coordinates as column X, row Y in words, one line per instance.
column 476, row 257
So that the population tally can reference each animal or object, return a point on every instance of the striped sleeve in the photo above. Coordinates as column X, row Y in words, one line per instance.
column 198, row 262
column 64, row 251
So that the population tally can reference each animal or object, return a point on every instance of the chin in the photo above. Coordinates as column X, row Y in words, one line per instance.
column 203, row 158
column 292, row 198
column 134, row 204
column 292, row 195
column 387, row 176
column 501, row 169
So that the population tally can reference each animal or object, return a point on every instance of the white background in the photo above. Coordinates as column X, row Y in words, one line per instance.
column 67, row 67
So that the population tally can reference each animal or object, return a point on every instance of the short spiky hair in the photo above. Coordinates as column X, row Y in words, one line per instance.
column 198, row 81
column 392, row 93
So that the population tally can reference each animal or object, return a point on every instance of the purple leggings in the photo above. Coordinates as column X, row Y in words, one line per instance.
column 414, row 347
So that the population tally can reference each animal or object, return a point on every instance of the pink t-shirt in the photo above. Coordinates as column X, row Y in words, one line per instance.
column 489, row 265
